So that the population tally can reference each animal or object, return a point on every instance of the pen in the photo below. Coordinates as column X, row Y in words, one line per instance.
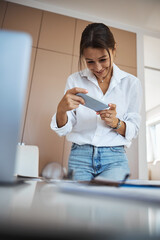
column 125, row 178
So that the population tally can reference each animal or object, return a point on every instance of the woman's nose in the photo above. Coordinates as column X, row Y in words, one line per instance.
column 98, row 67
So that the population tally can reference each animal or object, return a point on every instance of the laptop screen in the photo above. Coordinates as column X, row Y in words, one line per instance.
column 15, row 52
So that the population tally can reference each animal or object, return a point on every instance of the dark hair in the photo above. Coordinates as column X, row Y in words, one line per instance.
column 96, row 35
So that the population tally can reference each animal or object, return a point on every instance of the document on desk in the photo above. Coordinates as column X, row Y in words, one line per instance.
column 142, row 183
column 29, row 178
column 145, row 194
column 128, row 183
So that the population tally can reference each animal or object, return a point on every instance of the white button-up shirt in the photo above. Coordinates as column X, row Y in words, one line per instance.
column 84, row 126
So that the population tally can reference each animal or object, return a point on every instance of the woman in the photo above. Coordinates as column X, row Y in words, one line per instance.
column 99, row 138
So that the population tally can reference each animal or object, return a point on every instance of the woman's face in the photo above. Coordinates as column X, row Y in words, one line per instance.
column 98, row 61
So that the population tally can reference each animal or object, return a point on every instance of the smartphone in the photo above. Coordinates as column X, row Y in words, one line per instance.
column 92, row 103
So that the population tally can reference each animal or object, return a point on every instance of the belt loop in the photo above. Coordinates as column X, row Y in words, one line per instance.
column 93, row 156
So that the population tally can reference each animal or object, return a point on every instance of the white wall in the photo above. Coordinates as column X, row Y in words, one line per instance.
column 152, row 72
column 152, row 94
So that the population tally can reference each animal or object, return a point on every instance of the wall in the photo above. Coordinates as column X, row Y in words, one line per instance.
column 54, row 56
column 152, row 97
column 152, row 74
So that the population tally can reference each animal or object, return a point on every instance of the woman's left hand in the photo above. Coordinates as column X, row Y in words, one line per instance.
column 109, row 115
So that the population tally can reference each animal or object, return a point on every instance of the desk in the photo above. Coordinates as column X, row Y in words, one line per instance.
column 42, row 211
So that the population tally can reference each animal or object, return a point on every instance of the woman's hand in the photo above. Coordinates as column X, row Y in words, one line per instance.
column 69, row 102
column 109, row 116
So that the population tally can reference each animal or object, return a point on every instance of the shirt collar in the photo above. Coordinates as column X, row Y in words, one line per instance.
column 117, row 76
column 88, row 74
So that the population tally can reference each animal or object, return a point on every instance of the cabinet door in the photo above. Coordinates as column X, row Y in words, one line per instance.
column 32, row 61
column 22, row 18
column 80, row 26
column 3, row 6
column 48, row 83
column 57, row 33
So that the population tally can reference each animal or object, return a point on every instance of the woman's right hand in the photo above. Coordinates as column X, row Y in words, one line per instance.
column 69, row 102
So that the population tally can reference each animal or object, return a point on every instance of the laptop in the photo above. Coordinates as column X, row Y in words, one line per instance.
column 15, row 53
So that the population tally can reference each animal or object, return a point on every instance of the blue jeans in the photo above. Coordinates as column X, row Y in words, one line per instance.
column 87, row 161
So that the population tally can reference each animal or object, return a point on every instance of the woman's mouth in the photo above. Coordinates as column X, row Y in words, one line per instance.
column 100, row 72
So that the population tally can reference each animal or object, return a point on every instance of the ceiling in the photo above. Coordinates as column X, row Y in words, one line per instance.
column 141, row 15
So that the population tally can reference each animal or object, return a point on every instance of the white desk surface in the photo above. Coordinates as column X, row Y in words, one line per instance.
column 37, row 208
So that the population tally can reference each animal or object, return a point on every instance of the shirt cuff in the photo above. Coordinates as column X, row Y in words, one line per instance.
column 130, row 131
column 62, row 131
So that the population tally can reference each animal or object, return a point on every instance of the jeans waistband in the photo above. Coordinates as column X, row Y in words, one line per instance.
column 92, row 146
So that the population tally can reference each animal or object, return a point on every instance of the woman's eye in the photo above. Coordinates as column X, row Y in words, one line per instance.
column 103, row 60
column 90, row 62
